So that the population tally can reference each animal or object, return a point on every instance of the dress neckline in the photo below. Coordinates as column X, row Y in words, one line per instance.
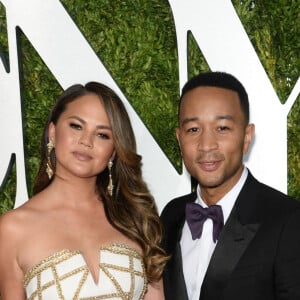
column 65, row 252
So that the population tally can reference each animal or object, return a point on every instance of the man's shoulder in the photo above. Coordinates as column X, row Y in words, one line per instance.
column 172, row 218
column 271, row 196
column 180, row 201
column 177, row 204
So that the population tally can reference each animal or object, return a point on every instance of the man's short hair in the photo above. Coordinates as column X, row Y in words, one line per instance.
column 221, row 80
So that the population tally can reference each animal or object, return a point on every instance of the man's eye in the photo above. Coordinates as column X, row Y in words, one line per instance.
column 75, row 126
column 193, row 129
column 223, row 128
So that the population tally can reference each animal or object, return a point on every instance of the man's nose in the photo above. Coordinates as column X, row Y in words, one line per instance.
column 207, row 141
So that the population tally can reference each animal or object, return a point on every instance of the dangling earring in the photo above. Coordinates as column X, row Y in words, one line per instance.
column 110, row 186
column 49, row 168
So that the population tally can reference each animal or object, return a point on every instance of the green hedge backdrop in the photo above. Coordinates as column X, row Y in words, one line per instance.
column 137, row 43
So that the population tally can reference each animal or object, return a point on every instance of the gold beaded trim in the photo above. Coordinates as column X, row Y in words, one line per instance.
column 51, row 261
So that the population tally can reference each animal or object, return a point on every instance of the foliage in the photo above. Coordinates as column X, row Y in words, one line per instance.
column 274, row 29
column 136, row 41
column 7, row 194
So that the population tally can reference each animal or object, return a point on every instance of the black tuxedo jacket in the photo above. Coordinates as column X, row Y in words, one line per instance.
column 257, row 256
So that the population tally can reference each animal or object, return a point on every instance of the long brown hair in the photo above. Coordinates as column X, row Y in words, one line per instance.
column 131, row 209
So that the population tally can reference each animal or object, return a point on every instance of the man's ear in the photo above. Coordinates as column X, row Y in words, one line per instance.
column 177, row 131
column 249, row 134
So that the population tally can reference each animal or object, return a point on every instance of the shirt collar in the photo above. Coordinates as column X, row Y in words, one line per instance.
column 228, row 200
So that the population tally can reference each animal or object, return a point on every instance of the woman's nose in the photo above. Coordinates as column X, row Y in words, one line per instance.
column 86, row 140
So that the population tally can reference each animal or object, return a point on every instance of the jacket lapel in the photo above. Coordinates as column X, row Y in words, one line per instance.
column 235, row 237
column 174, row 283
column 176, row 277
column 233, row 241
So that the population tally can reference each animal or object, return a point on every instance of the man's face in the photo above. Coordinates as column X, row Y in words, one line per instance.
column 213, row 136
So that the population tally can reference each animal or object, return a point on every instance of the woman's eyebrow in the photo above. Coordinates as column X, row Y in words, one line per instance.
column 84, row 122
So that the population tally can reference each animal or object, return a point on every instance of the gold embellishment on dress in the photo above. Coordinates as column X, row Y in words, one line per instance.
column 57, row 282
column 39, row 286
column 133, row 266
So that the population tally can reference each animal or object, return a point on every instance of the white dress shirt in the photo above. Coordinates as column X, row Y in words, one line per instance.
column 196, row 254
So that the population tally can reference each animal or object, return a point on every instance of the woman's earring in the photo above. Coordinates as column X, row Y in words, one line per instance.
column 49, row 168
column 110, row 186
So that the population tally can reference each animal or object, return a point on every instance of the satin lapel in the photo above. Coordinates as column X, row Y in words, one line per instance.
column 173, row 274
column 233, row 241
column 176, row 277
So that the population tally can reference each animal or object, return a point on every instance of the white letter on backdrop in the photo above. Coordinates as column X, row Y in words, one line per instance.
column 226, row 47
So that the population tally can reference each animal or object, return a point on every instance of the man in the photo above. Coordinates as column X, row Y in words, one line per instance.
column 256, row 255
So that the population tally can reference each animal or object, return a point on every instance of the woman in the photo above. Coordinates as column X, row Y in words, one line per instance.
column 91, row 230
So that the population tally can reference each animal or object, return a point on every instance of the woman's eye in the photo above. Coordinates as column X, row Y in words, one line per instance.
column 75, row 126
column 103, row 135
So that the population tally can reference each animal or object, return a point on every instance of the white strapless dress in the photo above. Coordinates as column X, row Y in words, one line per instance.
column 65, row 275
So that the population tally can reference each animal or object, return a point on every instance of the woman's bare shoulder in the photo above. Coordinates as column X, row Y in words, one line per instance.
column 12, row 225
column 13, row 222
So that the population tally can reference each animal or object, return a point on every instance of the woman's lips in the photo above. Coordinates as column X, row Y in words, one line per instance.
column 82, row 156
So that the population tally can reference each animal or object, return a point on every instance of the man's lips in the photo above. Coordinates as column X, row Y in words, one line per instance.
column 82, row 156
column 209, row 166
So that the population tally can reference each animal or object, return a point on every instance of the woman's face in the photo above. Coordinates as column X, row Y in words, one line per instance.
column 82, row 138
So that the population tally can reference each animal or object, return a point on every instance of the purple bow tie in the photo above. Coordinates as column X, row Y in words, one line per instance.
column 196, row 215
